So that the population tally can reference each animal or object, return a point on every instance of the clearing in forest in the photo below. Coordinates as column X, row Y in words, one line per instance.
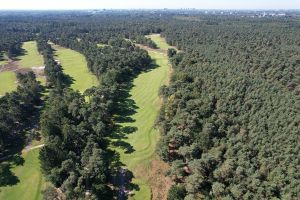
column 31, row 56
column 29, row 59
column 23, row 178
column 137, row 147
column 74, row 64
column 160, row 41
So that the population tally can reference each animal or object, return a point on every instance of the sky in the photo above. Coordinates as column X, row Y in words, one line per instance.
column 149, row 4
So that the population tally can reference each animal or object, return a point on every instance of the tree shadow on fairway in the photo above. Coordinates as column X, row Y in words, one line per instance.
column 122, row 132
column 121, row 177
column 16, row 52
column 7, row 178
column 68, row 80
column 126, row 107
column 153, row 65
column 124, row 111
column 17, row 160
column 18, row 142
column 124, row 145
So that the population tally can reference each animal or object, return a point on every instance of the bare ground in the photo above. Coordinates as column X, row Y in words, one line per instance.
column 160, row 184
column 14, row 66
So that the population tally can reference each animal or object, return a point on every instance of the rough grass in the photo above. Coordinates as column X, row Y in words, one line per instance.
column 8, row 82
column 143, row 141
column 74, row 64
column 31, row 182
column 31, row 56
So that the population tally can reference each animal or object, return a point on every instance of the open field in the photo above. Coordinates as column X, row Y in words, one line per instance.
column 142, row 142
column 74, row 64
column 8, row 82
column 28, row 176
column 31, row 57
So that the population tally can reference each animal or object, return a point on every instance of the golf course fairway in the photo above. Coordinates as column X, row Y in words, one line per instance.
column 8, row 82
column 27, row 179
column 145, row 95
column 74, row 64
column 31, row 57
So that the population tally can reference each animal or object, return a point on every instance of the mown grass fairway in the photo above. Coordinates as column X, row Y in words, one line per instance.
column 31, row 181
column 160, row 42
column 8, row 82
column 74, row 64
column 143, row 141
column 31, row 57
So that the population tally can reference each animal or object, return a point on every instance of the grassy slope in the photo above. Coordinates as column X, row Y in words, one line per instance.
column 75, row 65
column 7, row 82
column 145, row 95
column 31, row 181
column 31, row 57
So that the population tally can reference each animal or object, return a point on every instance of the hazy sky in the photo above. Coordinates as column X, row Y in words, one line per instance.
column 125, row 4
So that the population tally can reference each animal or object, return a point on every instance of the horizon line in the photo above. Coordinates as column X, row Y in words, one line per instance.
column 199, row 9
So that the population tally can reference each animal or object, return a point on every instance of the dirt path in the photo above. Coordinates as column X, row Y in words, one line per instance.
column 36, row 147
column 29, row 148
column 10, row 66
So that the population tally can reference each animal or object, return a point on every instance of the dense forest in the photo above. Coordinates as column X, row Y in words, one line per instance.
column 230, row 121
column 230, row 116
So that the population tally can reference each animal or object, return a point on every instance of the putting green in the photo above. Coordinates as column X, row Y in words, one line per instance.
column 143, row 141
column 31, row 181
column 31, row 57
column 8, row 82
column 74, row 64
